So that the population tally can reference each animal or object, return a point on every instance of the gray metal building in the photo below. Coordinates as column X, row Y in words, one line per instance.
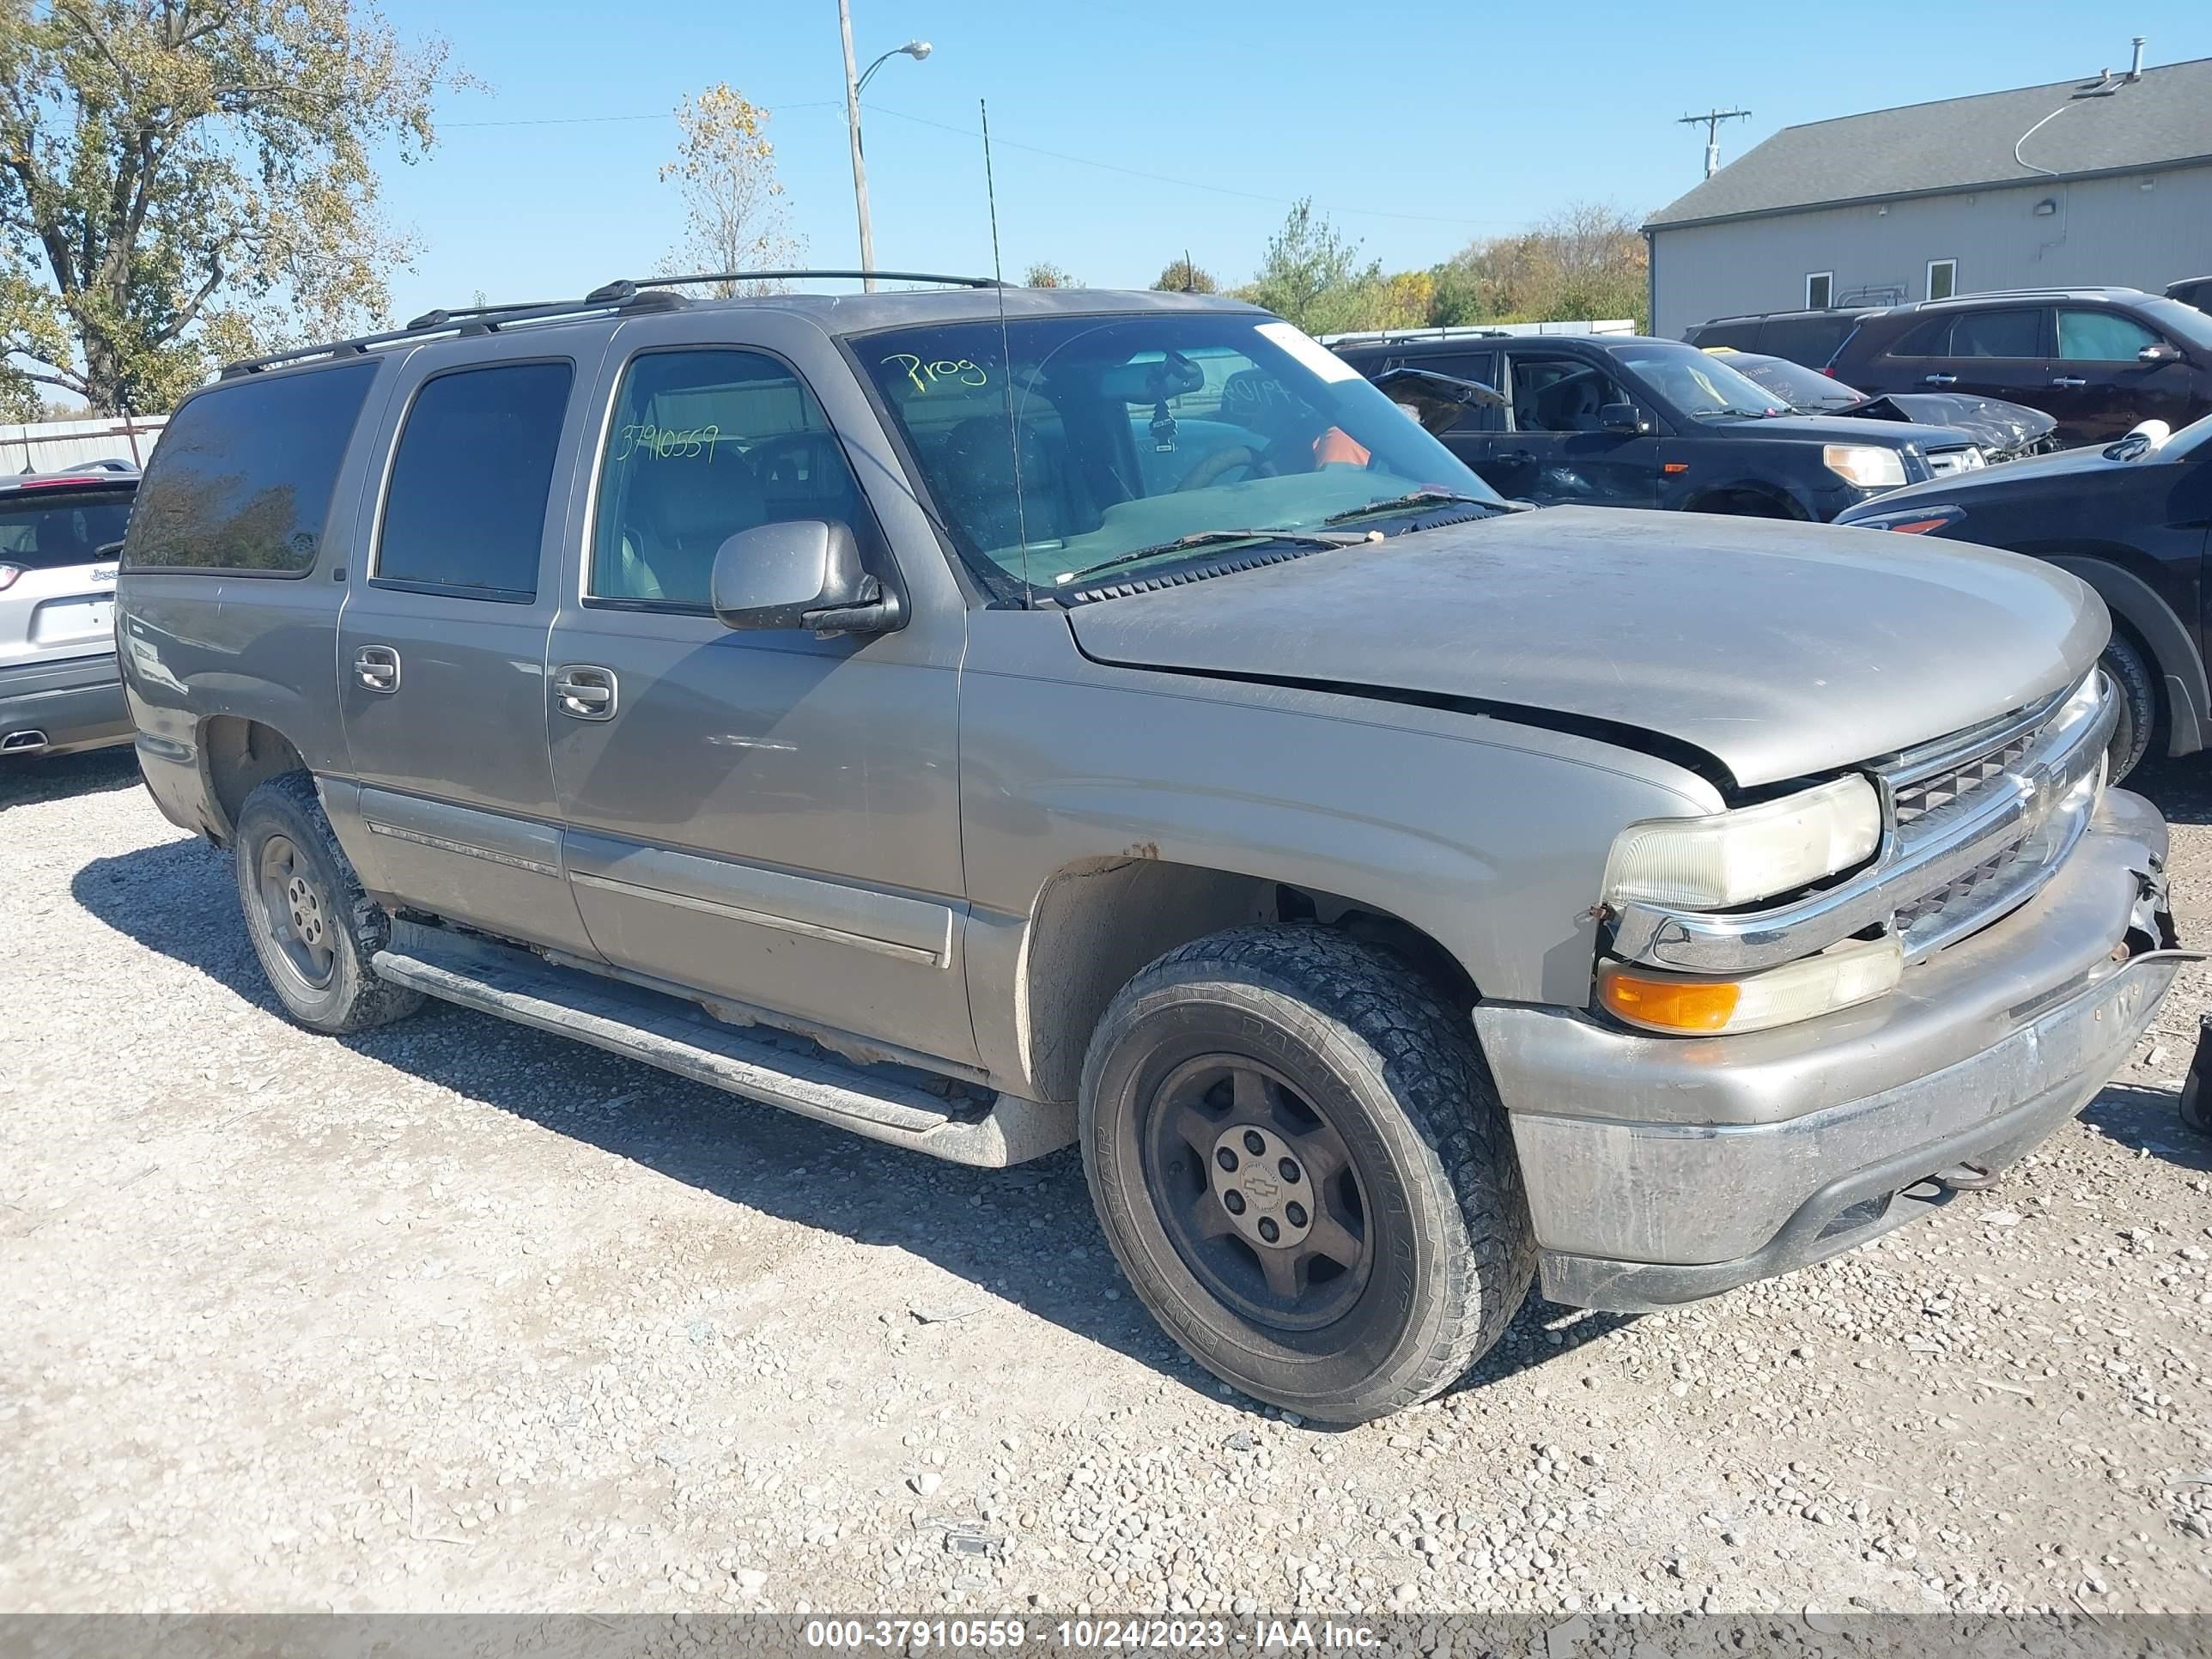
column 2102, row 180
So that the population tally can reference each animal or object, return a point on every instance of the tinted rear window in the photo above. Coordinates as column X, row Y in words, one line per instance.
column 465, row 510
column 47, row 528
column 241, row 478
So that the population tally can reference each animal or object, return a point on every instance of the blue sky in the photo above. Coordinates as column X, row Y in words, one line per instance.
column 1417, row 125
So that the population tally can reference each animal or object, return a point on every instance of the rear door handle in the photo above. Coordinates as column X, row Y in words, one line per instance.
column 377, row 667
column 584, row 692
column 1940, row 380
column 2069, row 380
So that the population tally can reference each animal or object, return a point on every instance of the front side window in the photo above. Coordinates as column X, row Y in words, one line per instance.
column 1995, row 334
column 1561, row 394
column 465, row 512
column 1071, row 440
column 241, row 476
column 2101, row 337
column 704, row 444
column 48, row 528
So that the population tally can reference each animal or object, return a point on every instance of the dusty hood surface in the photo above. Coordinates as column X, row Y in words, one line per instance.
column 1777, row 648
column 2001, row 427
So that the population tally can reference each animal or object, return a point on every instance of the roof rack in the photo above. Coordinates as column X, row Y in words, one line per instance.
column 800, row 276
column 624, row 293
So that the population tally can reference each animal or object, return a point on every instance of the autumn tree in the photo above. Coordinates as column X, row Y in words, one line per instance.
column 1585, row 262
column 1182, row 276
column 184, row 180
column 734, row 213
column 1045, row 274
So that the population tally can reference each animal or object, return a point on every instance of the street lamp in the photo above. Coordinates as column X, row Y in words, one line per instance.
column 916, row 50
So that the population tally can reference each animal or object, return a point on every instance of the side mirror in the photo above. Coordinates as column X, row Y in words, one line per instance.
column 2158, row 352
column 108, row 550
column 1621, row 418
column 805, row 572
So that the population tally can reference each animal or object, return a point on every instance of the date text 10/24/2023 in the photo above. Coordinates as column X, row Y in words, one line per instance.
column 1087, row 1635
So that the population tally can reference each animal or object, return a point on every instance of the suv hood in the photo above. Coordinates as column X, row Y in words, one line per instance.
column 1841, row 428
column 1780, row 649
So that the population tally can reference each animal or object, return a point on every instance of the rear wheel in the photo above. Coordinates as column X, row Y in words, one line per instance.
column 313, row 927
column 1301, row 1164
column 2137, row 689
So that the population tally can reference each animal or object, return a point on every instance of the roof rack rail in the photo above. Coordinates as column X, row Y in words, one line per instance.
column 798, row 276
column 467, row 320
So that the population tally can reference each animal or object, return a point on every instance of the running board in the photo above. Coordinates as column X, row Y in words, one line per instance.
column 888, row 1103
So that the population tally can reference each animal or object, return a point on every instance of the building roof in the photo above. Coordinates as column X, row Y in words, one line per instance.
column 2108, row 125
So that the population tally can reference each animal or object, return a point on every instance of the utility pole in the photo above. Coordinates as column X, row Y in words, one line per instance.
column 1710, row 121
column 853, row 127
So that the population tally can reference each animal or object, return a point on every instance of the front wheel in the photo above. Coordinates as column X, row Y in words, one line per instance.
column 2136, row 689
column 1301, row 1164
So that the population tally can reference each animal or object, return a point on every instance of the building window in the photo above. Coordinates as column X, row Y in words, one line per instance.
column 1819, row 290
column 1942, row 278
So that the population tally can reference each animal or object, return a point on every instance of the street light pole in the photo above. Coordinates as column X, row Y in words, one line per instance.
column 916, row 50
column 853, row 127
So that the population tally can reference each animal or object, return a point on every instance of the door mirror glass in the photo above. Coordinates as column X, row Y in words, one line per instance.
column 1619, row 417
column 802, row 573
column 2157, row 352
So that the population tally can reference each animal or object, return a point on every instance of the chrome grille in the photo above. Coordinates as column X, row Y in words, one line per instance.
column 1954, row 895
column 1944, row 463
column 1930, row 797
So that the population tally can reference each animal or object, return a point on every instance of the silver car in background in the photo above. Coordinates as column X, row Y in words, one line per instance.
column 59, row 535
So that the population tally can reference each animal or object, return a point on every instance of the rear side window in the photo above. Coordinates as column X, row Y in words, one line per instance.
column 464, row 513
column 1812, row 341
column 241, row 478
column 1995, row 334
column 48, row 528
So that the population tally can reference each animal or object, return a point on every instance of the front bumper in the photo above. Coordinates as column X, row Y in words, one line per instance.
column 1660, row 1170
column 59, row 707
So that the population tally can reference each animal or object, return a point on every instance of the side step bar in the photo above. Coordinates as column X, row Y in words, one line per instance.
column 892, row 1103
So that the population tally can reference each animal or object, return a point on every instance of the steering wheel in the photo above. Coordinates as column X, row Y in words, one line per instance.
column 1225, row 460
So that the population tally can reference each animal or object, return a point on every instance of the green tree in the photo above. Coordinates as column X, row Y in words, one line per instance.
column 1182, row 276
column 177, row 176
column 733, row 208
column 1045, row 274
column 1312, row 274
column 1586, row 262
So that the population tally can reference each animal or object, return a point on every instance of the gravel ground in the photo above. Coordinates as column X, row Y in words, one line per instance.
column 458, row 1315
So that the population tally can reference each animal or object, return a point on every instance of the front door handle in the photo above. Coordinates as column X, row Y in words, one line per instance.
column 1517, row 457
column 584, row 692
column 2069, row 380
column 1940, row 380
column 377, row 667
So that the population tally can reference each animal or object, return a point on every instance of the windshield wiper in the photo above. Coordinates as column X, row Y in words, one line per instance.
column 1209, row 539
column 1412, row 498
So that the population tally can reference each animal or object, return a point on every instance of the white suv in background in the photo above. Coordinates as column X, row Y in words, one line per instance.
column 59, row 535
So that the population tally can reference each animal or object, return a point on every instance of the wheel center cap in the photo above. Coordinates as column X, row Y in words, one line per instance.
column 1261, row 1183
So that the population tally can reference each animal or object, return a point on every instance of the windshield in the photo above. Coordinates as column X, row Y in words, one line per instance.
column 1136, row 432
column 45, row 529
column 1698, row 384
column 1794, row 384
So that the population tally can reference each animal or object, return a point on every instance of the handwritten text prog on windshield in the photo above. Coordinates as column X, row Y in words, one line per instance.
column 927, row 377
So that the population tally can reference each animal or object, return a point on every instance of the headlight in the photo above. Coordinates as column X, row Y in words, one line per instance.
column 1728, row 858
column 1867, row 465
column 1694, row 1004
column 1907, row 521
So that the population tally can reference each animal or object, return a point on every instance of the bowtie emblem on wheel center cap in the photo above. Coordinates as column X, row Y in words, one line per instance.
column 1260, row 1181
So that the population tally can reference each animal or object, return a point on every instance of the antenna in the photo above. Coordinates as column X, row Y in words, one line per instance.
column 1710, row 121
column 1006, row 350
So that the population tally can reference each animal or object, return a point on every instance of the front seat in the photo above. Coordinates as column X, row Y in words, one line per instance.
column 683, row 509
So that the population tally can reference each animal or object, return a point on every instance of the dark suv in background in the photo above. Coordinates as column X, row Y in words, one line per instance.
column 1810, row 337
column 1619, row 419
column 2098, row 360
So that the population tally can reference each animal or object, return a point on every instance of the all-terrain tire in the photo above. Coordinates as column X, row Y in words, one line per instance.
column 313, row 927
column 1394, row 1070
column 2137, row 689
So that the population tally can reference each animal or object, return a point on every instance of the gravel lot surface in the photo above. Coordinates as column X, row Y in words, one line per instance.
column 459, row 1315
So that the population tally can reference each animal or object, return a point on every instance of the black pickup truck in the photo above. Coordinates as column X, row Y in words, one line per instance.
column 1620, row 420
